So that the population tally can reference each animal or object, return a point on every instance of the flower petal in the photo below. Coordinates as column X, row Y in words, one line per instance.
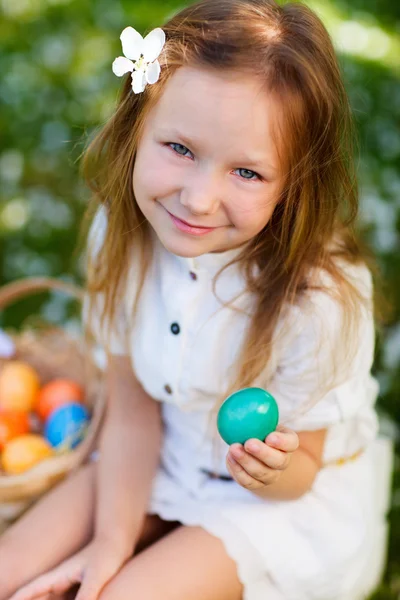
column 153, row 72
column 153, row 43
column 122, row 65
column 138, row 81
column 132, row 43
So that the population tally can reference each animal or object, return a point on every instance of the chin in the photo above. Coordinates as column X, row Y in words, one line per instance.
column 183, row 248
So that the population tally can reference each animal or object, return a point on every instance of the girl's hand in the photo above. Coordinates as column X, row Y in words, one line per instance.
column 256, row 464
column 93, row 567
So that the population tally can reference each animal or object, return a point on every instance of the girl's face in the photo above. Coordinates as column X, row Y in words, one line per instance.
column 206, row 173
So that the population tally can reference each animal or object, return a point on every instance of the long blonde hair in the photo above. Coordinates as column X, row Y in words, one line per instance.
column 290, row 51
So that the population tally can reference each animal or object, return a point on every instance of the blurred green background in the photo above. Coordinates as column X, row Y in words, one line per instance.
column 57, row 87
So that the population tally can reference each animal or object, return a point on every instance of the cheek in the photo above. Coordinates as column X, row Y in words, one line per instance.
column 251, row 215
column 152, row 178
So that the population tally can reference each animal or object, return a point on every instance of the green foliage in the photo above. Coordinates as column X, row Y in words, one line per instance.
column 57, row 87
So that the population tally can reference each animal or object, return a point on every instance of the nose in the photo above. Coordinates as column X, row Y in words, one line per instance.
column 202, row 194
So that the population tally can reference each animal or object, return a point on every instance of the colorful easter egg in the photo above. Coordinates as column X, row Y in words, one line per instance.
column 12, row 424
column 19, row 386
column 66, row 426
column 249, row 413
column 24, row 452
column 56, row 393
column 7, row 346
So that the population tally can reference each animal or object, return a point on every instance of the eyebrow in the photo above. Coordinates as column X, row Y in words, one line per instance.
column 193, row 143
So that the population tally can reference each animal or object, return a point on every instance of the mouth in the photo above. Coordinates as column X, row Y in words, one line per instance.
column 189, row 227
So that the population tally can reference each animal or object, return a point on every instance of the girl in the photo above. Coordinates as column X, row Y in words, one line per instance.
column 222, row 256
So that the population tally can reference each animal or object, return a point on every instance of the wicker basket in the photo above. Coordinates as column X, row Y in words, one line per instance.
column 53, row 353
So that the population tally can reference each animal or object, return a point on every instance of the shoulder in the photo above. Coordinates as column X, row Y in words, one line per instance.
column 332, row 307
column 326, row 326
column 325, row 289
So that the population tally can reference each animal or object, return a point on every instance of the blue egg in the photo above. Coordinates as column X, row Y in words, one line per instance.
column 66, row 426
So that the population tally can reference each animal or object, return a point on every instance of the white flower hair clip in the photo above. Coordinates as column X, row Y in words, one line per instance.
column 140, row 57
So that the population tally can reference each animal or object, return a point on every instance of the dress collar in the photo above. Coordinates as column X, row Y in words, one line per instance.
column 212, row 261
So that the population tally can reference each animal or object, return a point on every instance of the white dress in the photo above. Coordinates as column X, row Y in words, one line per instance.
column 330, row 543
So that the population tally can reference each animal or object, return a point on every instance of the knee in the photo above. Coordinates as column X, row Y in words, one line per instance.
column 116, row 589
column 112, row 591
column 109, row 591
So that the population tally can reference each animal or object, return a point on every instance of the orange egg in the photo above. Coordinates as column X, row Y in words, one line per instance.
column 56, row 393
column 19, row 386
column 24, row 452
column 12, row 424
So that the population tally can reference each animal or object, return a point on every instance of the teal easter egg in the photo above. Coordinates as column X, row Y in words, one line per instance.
column 249, row 413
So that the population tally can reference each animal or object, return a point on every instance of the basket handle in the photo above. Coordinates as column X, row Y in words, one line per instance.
column 34, row 285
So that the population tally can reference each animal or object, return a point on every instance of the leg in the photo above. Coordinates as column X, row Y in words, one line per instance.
column 53, row 529
column 59, row 525
column 187, row 563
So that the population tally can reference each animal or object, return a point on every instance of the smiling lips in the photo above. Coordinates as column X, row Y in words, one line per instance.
column 188, row 228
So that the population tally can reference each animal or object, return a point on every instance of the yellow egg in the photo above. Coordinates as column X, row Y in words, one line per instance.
column 24, row 452
column 19, row 386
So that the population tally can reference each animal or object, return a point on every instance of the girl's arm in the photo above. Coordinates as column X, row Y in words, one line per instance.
column 129, row 454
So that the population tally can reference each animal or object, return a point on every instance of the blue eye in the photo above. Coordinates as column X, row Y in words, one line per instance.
column 184, row 151
column 178, row 147
column 247, row 172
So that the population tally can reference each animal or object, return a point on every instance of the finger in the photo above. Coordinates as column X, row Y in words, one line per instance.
column 270, row 457
column 241, row 476
column 284, row 439
column 259, row 469
column 53, row 582
column 66, row 582
column 38, row 588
